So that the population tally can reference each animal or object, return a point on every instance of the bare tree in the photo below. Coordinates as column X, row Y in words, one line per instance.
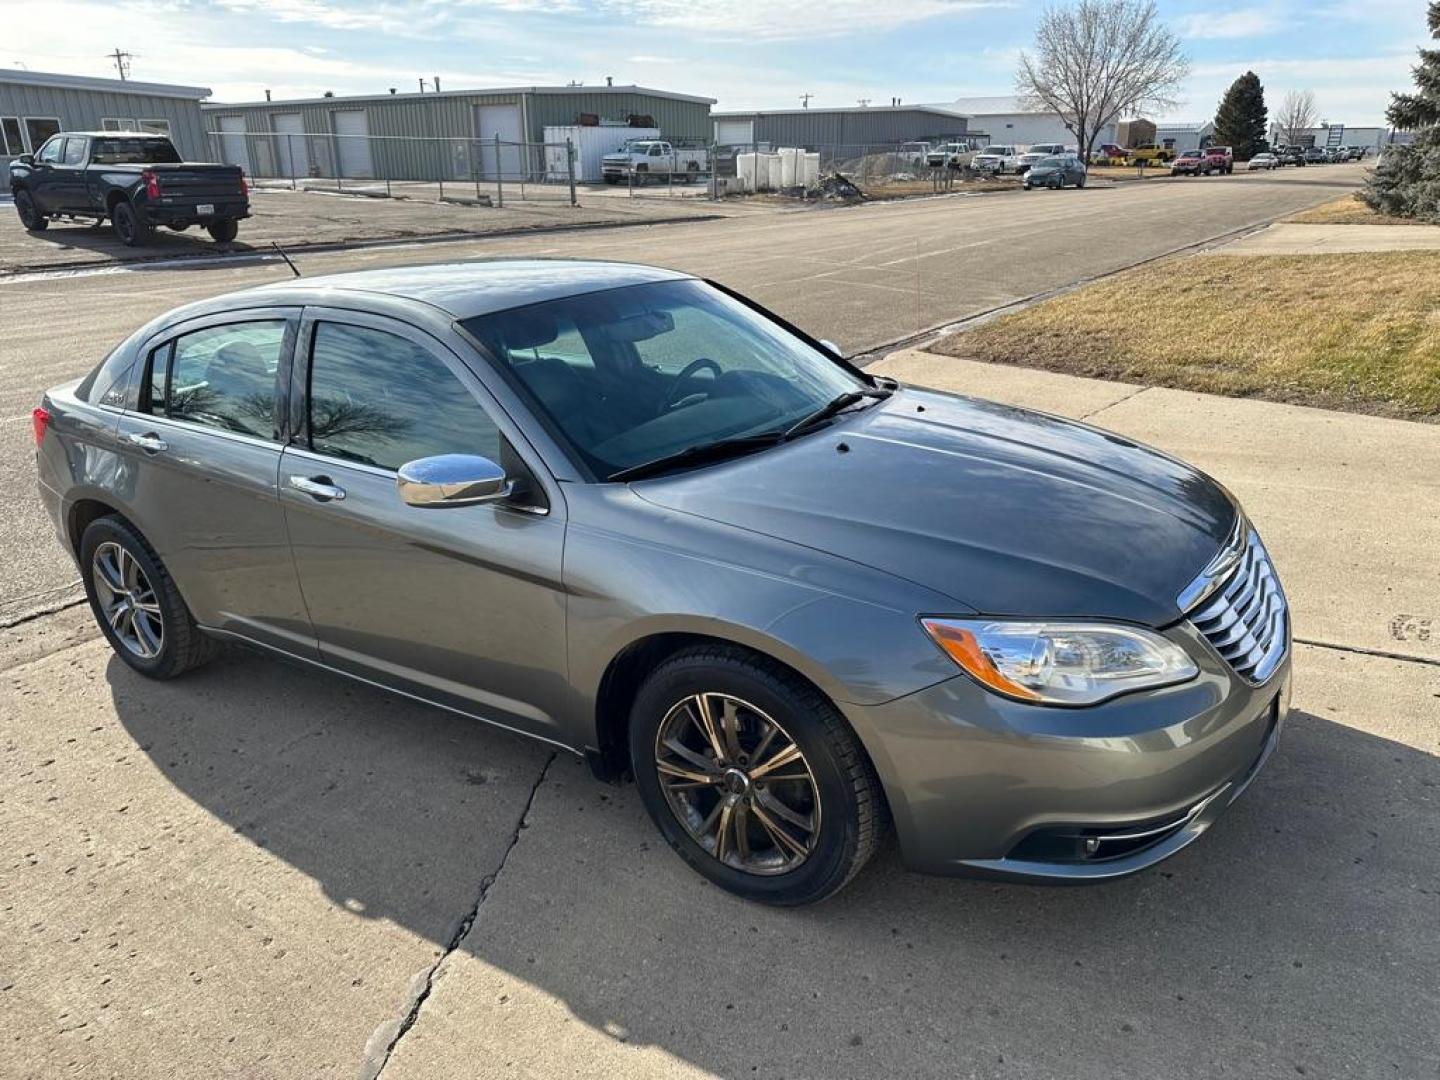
column 1297, row 115
column 1098, row 60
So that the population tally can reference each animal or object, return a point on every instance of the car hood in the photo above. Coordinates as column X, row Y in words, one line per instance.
column 1007, row 511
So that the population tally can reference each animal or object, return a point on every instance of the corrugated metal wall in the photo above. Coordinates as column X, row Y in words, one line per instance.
column 83, row 110
column 449, row 119
column 877, row 127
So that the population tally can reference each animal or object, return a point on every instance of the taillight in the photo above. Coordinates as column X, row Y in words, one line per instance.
column 244, row 184
column 40, row 419
column 152, row 183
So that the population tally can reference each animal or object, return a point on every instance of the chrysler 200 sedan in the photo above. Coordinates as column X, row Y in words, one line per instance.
column 636, row 516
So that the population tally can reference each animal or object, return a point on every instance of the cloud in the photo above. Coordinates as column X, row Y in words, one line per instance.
column 779, row 20
column 1225, row 25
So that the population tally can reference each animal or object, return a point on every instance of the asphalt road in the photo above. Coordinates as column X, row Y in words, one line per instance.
column 859, row 276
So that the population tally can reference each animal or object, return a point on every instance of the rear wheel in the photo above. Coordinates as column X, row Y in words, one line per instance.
column 753, row 776
column 136, row 603
column 223, row 231
column 30, row 215
column 128, row 228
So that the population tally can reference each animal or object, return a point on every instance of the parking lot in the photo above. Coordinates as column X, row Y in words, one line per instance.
column 258, row 871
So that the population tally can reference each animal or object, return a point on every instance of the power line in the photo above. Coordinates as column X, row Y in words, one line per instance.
column 122, row 62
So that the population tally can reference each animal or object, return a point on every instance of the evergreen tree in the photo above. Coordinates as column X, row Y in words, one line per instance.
column 1241, row 118
column 1407, row 184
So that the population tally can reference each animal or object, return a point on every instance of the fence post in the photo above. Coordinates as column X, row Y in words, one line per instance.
column 570, row 168
column 474, row 168
column 440, row 171
column 499, row 177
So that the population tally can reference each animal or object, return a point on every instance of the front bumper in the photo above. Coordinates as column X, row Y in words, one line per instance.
column 982, row 786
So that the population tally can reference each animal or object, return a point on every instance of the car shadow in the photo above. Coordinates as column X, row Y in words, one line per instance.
column 163, row 243
column 1299, row 936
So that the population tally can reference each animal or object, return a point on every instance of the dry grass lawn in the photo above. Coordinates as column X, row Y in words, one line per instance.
column 1346, row 210
column 1359, row 332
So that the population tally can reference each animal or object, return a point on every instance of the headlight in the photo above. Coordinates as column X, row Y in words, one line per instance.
column 1061, row 663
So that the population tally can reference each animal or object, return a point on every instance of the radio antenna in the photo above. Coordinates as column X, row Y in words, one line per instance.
column 293, row 268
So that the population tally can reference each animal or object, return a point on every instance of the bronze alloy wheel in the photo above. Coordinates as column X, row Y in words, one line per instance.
column 738, row 783
column 127, row 600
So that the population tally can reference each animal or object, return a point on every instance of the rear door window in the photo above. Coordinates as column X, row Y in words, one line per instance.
column 380, row 399
column 223, row 377
column 74, row 152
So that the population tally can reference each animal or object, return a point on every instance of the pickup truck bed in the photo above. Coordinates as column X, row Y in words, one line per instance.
column 137, row 181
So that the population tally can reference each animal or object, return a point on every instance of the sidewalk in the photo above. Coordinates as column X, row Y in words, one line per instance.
column 1346, row 503
column 1292, row 239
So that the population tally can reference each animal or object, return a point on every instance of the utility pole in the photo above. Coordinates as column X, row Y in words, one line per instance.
column 862, row 102
column 122, row 62
column 805, row 100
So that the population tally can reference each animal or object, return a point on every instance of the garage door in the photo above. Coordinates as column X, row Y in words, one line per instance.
column 734, row 132
column 354, row 144
column 504, row 121
column 290, row 137
column 232, row 143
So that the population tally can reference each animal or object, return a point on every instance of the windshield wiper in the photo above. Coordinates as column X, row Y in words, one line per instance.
column 700, row 453
column 832, row 408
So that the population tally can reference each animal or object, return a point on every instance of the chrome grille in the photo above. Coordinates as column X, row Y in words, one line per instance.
column 1244, row 616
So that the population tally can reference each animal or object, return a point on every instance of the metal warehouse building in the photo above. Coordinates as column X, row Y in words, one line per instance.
column 878, row 125
column 36, row 104
column 450, row 134
column 1007, row 121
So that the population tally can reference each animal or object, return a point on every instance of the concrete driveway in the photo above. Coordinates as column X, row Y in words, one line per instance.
column 262, row 872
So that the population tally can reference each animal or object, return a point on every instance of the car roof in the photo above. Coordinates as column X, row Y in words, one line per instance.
column 467, row 289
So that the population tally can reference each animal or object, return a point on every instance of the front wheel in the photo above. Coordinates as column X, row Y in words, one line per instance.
column 224, row 231
column 30, row 216
column 129, row 229
column 754, row 777
column 1080, row 183
column 136, row 604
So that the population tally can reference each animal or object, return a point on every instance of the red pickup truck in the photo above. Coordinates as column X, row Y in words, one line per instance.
column 1219, row 159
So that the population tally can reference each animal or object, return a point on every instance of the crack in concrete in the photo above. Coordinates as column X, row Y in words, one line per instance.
column 1360, row 650
column 1120, row 401
column 377, row 1057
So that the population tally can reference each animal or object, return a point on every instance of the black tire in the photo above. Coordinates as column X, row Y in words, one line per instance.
column 177, row 227
column 1080, row 183
column 183, row 645
column 128, row 227
column 30, row 216
column 223, row 231
column 853, row 813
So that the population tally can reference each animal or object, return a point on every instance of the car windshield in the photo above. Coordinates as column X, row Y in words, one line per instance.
column 134, row 151
column 1049, row 163
column 632, row 375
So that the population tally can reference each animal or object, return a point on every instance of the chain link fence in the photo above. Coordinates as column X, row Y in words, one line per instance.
column 874, row 170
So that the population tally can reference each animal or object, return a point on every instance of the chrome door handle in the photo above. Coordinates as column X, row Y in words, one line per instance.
column 317, row 487
column 148, row 441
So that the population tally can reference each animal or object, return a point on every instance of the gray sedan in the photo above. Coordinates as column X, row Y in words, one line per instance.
column 631, row 514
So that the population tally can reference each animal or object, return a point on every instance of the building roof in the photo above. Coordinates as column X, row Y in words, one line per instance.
column 411, row 95
column 1002, row 105
column 739, row 114
column 113, row 86
column 467, row 289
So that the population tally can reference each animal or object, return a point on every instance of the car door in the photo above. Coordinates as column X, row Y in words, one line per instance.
column 202, row 443
column 459, row 605
column 67, row 182
column 43, row 179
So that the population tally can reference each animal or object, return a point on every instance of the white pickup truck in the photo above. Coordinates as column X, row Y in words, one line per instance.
column 950, row 153
column 997, row 158
column 647, row 159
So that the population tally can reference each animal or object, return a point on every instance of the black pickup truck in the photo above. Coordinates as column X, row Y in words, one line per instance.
column 137, row 181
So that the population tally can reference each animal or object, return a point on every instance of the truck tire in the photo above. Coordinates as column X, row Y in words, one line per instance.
column 224, row 230
column 691, row 172
column 128, row 228
column 30, row 216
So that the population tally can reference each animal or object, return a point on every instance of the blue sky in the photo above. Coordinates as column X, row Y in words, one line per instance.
column 746, row 53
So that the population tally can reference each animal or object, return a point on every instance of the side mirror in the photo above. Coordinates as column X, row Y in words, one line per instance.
column 26, row 159
column 832, row 347
column 452, row 480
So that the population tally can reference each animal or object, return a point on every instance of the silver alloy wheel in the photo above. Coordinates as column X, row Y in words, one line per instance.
column 738, row 783
column 127, row 600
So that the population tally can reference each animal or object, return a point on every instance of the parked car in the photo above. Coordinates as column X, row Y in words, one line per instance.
column 1055, row 172
column 1037, row 153
column 999, row 158
column 1291, row 155
column 1108, row 154
column 635, row 516
column 1315, row 155
column 952, row 154
column 1217, row 159
column 1263, row 161
column 1189, row 163
column 136, row 180
column 654, row 159
column 1151, row 153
